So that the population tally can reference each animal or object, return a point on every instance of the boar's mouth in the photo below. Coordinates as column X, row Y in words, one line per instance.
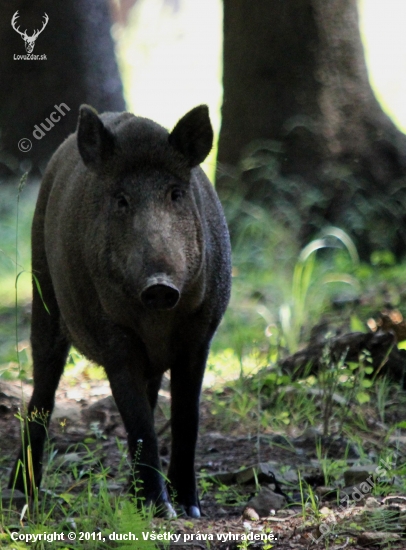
column 159, row 293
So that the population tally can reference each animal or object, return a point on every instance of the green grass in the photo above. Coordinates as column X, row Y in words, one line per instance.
column 280, row 292
column 16, row 211
column 87, row 506
column 14, row 260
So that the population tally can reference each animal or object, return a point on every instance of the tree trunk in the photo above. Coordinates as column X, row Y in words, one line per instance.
column 295, row 75
column 80, row 67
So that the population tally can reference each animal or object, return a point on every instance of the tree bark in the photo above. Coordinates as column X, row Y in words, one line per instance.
column 296, row 89
column 80, row 67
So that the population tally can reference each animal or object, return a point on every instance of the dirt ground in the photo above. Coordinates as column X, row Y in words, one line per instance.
column 87, row 408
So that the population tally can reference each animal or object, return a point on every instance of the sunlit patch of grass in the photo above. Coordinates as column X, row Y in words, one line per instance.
column 252, row 338
column 279, row 292
column 228, row 364
column 78, row 365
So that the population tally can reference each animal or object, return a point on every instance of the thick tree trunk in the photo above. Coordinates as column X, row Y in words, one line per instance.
column 80, row 67
column 295, row 74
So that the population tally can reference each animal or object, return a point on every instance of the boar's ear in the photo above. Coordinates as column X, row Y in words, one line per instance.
column 95, row 141
column 193, row 135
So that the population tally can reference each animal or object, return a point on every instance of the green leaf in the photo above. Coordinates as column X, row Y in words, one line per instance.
column 383, row 258
column 356, row 324
column 352, row 365
column 133, row 521
column 34, row 278
column 362, row 397
column 401, row 424
column 67, row 497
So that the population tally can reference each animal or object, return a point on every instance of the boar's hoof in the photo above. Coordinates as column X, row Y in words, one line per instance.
column 160, row 294
column 160, row 508
column 165, row 510
column 191, row 511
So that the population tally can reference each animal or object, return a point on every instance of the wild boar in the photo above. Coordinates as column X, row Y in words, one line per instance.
column 131, row 253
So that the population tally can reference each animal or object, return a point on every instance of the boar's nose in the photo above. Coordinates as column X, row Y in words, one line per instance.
column 160, row 293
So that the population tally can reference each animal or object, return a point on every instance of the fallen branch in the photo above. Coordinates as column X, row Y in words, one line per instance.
column 386, row 358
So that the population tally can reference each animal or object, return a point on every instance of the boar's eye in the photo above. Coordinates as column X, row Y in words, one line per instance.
column 121, row 203
column 177, row 194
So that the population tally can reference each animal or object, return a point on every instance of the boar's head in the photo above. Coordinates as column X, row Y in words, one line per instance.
column 145, row 222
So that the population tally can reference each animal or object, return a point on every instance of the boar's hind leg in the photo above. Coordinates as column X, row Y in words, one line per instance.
column 186, row 382
column 135, row 399
column 49, row 351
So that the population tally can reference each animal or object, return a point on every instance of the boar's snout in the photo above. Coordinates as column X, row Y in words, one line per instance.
column 160, row 293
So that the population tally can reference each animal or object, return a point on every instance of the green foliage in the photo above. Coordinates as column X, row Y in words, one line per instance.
column 351, row 378
column 16, row 210
column 276, row 298
column 225, row 495
column 293, row 316
column 86, row 505
column 280, row 293
column 133, row 521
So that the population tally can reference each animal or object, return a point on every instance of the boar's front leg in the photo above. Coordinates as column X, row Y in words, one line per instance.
column 134, row 398
column 186, row 382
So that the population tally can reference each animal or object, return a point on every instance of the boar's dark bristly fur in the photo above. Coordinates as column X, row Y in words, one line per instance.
column 132, row 255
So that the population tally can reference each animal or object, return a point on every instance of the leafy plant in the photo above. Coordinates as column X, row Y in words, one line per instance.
column 294, row 315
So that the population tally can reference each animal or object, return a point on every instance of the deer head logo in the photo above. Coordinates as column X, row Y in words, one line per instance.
column 29, row 40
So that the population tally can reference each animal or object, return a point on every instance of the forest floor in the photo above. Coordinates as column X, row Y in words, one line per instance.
column 87, row 436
